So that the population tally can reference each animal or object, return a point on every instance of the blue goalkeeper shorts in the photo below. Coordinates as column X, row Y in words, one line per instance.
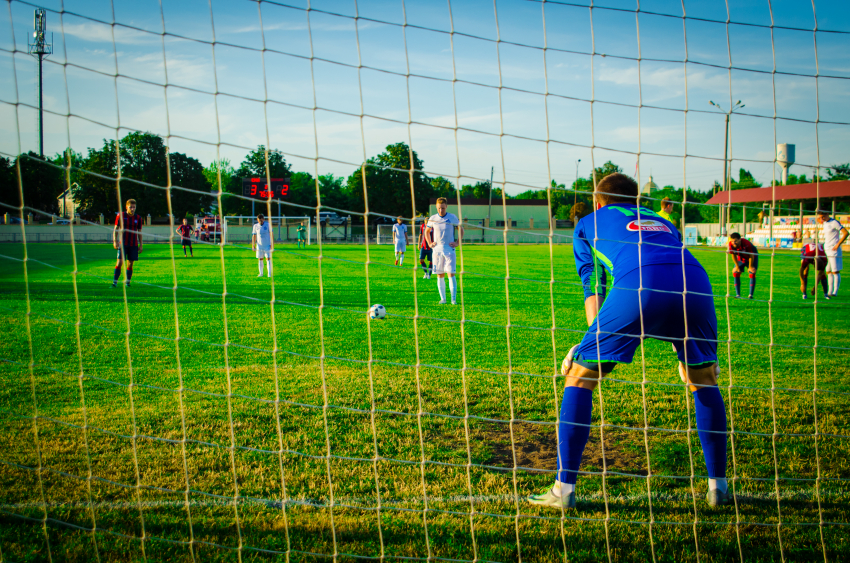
column 615, row 333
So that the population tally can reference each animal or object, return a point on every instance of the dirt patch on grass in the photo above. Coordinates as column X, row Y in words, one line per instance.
column 536, row 447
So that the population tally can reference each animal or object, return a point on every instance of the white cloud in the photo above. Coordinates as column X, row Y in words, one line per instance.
column 98, row 32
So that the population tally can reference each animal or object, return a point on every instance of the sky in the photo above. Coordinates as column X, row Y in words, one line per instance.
column 525, row 87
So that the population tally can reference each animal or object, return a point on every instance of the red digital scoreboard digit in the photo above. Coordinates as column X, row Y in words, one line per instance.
column 258, row 188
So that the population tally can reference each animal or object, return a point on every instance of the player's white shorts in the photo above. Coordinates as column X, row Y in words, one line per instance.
column 263, row 252
column 444, row 263
column 400, row 246
column 835, row 262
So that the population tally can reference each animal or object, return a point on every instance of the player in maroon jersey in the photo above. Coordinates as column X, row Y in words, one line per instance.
column 813, row 253
column 746, row 257
column 185, row 232
column 425, row 251
column 129, row 226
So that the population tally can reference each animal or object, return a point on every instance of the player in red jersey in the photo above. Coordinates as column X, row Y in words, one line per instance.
column 425, row 251
column 129, row 226
column 185, row 232
column 746, row 257
column 813, row 253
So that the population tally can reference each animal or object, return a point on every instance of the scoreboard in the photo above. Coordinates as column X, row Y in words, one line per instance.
column 258, row 188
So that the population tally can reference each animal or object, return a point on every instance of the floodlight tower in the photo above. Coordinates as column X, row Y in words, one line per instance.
column 738, row 105
column 40, row 48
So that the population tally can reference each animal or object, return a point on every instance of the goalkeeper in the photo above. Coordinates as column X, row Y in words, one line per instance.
column 302, row 235
column 651, row 270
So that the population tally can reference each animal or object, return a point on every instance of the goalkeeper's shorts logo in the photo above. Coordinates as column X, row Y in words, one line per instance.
column 648, row 225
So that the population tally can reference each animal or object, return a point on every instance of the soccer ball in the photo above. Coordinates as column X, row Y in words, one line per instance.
column 377, row 311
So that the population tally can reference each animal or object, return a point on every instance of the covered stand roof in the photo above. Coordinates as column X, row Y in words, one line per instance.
column 839, row 188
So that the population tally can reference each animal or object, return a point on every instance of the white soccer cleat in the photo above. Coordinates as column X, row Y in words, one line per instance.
column 568, row 361
column 454, row 302
column 443, row 302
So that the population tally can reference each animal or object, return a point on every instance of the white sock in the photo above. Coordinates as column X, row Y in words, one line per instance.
column 260, row 266
column 269, row 267
column 441, row 287
column 562, row 489
column 829, row 283
column 719, row 484
column 837, row 283
column 453, row 285
column 401, row 259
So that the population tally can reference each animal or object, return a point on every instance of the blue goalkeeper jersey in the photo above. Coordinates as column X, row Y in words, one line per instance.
column 609, row 237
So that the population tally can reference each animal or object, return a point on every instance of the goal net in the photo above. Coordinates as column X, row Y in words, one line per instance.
column 384, row 232
column 237, row 401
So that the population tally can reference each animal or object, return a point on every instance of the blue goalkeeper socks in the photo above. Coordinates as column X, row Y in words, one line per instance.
column 573, row 431
column 711, row 427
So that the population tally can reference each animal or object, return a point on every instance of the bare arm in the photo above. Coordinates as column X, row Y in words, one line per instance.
column 841, row 241
column 253, row 242
column 115, row 237
column 428, row 238
column 456, row 243
column 591, row 307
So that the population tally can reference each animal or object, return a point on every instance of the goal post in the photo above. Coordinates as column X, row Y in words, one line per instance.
column 237, row 228
column 384, row 234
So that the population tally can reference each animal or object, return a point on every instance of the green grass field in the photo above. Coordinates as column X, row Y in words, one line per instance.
column 281, row 425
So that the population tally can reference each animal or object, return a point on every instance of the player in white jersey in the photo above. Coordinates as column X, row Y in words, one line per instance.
column 440, row 235
column 834, row 236
column 262, row 243
column 399, row 240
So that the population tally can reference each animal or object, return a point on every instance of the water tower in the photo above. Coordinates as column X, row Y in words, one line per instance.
column 785, row 158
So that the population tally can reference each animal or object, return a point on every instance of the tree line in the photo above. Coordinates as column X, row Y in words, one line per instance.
column 140, row 166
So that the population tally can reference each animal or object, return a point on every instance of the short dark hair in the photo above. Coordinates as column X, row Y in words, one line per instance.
column 616, row 188
column 735, row 236
column 260, row 216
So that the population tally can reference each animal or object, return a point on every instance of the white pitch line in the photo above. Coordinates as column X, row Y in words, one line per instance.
column 481, row 499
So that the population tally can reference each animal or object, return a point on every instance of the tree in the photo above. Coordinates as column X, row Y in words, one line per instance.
column 332, row 190
column 8, row 185
column 223, row 166
column 442, row 187
column 144, row 165
column 388, row 177
column 605, row 170
column 839, row 172
column 745, row 180
column 42, row 182
column 187, row 173
column 480, row 190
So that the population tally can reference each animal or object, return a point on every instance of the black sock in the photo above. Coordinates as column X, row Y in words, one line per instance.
column 737, row 285
column 117, row 273
column 752, row 285
column 129, row 274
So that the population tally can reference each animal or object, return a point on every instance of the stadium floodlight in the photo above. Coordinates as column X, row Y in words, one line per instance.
column 40, row 48
column 738, row 105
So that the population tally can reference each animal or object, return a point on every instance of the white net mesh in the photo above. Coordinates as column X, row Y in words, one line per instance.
column 202, row 411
